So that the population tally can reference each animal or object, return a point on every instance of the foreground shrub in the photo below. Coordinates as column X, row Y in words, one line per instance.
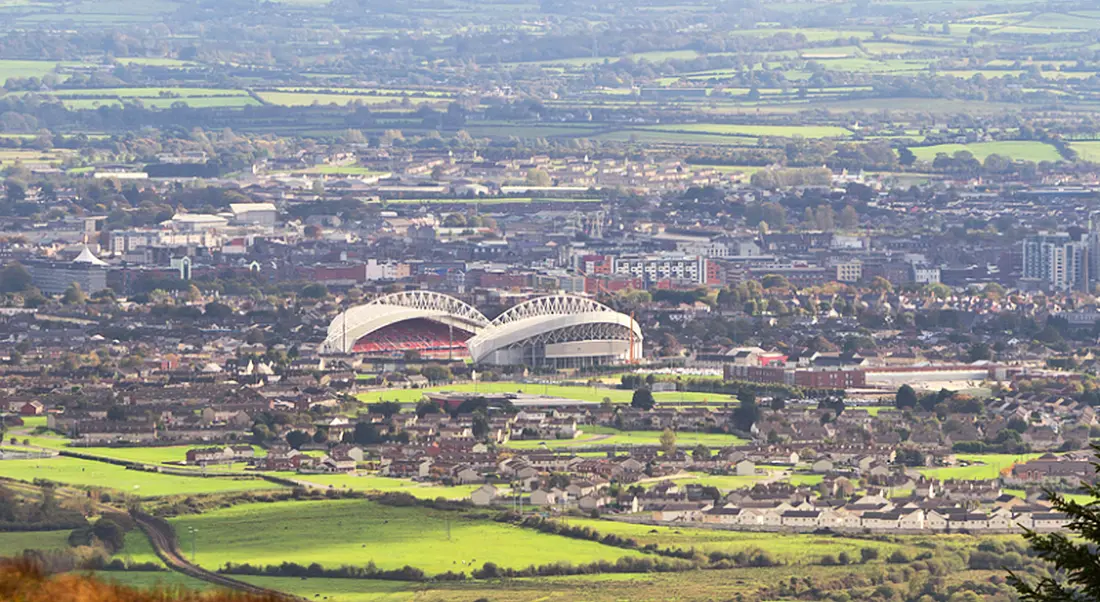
column 25, row 581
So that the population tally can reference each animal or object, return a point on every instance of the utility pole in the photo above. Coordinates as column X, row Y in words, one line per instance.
column 194, row 534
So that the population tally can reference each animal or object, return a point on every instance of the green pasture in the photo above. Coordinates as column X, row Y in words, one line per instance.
column 384, row 485
column 13, row 543
column 779, row 131
column 1087, row 150
column 356, row 532
column 684, row 138
column 150, row 455
column 169, row 580
column 979, row 466
column 790, row 548
column 722, row 482
column 1021, row 150
column 305, row 99
column 89, row 473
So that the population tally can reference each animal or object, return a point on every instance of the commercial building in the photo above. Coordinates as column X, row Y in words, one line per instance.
column 55, row 277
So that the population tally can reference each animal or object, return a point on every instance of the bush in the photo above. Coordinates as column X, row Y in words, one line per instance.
column 897, row 557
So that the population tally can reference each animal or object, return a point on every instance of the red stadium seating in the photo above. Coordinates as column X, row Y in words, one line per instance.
column 429, row 338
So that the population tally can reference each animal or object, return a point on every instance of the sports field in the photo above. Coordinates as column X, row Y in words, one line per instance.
column 594, row 394
column 355, row 532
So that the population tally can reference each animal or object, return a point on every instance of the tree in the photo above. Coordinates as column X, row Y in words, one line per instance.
column 643, row 400
column 297, row 439
column 747, row 413
column 312, row 232
column 979, row 351
column 538, row 177
column 74, row 295
column 1073, row 553
column 849, row 219
column 314, row 291
column 436, row 374
column 365, row 434
column 906, row 157
column 770, row 281
column 116, row 413
column 110, row 534
column 385, row 408
column 881, row 285
column 668, row 442
column 14, row 278
column 217, row 311
column 701, row 453
column 906, row 397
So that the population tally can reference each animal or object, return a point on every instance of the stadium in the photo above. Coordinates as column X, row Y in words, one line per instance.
column 431, row 324
column 556, row 331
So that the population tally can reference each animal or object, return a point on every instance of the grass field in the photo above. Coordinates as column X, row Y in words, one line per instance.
column 12, row 544
column 170, row 580
column 721, row 482
column 305, row 99
column 19, row 68
column 1087, row 150
column 594, row 394
column 338, row 532
column 603, row 436
column 149, row 455
column 694, row 585
column 784, row 131
column 385, row 485
column 88, row 473
column 790, row 548
column 1018, row 150
column 982, row 466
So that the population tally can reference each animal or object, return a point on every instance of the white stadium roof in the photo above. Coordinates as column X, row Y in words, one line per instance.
column 560, row 320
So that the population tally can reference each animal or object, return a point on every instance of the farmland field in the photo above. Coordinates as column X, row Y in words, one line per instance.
column 11, row 544
column 305, row 99
column 384, row 485
column 1087, row 151
column 89, row 473
column 725, row 129
column 156, row 579
column 1018, row 150
column 356, row 532
column 790, row 548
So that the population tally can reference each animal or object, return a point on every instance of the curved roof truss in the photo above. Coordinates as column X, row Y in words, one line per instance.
column 360, row 321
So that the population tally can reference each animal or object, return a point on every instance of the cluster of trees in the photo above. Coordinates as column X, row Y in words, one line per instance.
column 293, row 569
column 22, row 514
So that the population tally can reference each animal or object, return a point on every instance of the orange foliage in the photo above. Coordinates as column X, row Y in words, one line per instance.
column 24, row 582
